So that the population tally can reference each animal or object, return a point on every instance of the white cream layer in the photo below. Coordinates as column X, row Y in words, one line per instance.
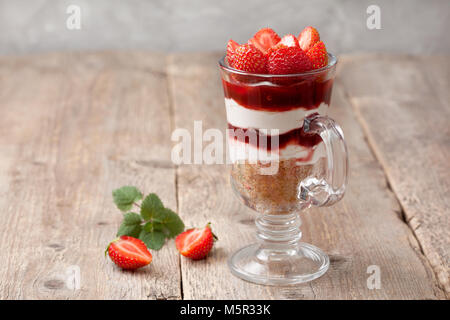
column 284, row 121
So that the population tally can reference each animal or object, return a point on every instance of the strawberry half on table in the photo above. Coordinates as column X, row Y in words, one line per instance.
column 196, row 243
column 129, row 253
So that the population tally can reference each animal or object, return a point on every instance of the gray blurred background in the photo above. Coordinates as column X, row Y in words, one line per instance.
column 408, row 26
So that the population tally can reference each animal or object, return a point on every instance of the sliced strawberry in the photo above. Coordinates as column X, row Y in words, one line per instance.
column 231, row 48
column 264, row 39
column 308, row 37
column 318, row 55
column 288, row 40
column 248, row 58
column 195, row 243
column 129, row 253
column 288, row 60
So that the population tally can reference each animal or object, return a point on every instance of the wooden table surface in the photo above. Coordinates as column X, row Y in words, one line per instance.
column 75, row 126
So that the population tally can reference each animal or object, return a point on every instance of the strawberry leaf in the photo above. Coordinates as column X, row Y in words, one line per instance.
column 131, row 225
column 153, row 240
column 153, row 226
column 132, row 218
column 152, row 207
column 172, row 223
column 125, row 197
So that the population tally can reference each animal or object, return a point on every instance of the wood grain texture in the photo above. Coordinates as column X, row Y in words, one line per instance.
column 73, row 128
column 362, row 230
column 403, row 103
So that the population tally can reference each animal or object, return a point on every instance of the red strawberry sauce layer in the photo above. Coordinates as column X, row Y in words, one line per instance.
column 288, row 95
column 307, row 95
column 293, row 137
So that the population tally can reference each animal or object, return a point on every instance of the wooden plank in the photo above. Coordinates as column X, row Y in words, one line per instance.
column 73, row 128
column 403, row 104
column 362, row 230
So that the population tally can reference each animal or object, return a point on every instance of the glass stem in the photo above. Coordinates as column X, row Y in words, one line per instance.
column 279, row 232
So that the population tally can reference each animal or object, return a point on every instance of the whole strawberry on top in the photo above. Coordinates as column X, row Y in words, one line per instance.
column 288, row 60
column 248, row 58
column 318, row 55
column 267, row 53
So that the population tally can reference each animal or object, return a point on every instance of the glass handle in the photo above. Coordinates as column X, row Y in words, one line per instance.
column 327, row 190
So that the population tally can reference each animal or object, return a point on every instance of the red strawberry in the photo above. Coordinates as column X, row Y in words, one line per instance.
column 318, row 55
column 231, row 48
column 129, row 253
column 288, row 40
column 264, row 39
column 195, row 243
column 288, row 60
column 308, row 37
column 248, row 58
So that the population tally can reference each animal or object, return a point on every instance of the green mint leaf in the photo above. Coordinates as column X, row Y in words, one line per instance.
column 125, row 196
column 172, row 223
column 131, row 225
column 153, row 240
column 151, row 207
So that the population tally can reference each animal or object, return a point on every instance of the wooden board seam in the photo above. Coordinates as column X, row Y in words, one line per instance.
column 172, row 128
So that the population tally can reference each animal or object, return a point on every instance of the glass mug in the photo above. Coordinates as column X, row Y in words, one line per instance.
column 286, row 155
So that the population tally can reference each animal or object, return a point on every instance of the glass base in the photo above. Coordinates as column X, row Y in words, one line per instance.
column 271, row 266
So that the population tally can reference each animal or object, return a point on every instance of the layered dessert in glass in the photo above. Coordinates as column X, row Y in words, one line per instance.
column 273, row 107
column 286, row 153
